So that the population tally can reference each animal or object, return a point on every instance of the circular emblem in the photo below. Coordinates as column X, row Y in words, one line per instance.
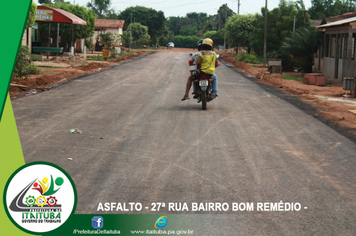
column 39, row 197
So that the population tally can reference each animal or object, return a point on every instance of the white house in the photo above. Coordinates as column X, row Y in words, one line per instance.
column 103, row 26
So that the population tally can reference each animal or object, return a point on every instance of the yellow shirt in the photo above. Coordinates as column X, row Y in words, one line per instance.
column 207, row 64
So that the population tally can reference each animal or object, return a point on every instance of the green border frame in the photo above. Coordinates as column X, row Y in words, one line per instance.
column 39, row 163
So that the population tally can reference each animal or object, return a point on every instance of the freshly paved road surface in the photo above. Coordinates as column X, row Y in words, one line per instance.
column 140, row 143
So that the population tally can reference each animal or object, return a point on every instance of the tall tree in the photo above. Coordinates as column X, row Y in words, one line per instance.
column 300, row 4
column 100, row 7
column 43, row 1
column 139, row 35
column 279, row 24
column 327, row 8
column 154, row 20
column 224, row 13
column 239, row 30
column 192, row 24
column 112, row 14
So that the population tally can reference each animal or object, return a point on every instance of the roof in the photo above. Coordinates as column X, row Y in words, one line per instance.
column 53, row 15
column 339, row 22
column 315, row 23
column 344, row 16
column 331, row 19
column 113, row 24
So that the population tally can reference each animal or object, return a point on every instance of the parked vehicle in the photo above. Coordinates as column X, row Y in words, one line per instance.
column 170, row 45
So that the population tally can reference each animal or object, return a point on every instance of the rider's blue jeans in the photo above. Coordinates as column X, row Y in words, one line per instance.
column 214, row 84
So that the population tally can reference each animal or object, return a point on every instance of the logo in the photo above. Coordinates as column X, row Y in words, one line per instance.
column 97, row 222
column 161, row 222
column 39, row 197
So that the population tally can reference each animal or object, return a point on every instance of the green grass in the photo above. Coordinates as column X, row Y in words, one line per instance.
column 96, row 59
column 291, row 78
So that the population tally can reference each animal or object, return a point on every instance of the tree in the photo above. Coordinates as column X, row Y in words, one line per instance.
column 239, row 30
column 100, row 7
column 112, row 14
column 174, row 24
column 209, row 34
column 43, row 1
column 300, row 4
column 303, row 43
column 216, row 36
column 154, row 20
column 186, row 41
column 224, row 13
column 31, row 16
column 192, row 24
column 139, row 35
column 279, row 24
column 327, row 8
column 188, row 30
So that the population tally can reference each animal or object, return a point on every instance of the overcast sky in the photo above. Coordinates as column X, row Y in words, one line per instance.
column 182, row 7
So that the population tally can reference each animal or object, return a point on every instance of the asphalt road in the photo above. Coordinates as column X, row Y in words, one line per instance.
column 141, row 143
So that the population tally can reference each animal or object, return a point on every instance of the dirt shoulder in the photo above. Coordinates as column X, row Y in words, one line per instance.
column 328, row 101
column 59, row 70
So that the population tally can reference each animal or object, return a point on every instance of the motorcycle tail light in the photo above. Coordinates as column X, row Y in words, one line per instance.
column 203, row 76
column 211, row 80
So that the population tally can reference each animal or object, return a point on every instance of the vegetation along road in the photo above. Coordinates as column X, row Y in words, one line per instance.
column 141, row 143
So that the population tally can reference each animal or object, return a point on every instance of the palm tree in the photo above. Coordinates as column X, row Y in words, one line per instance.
column 100, row 7
column 304, row 43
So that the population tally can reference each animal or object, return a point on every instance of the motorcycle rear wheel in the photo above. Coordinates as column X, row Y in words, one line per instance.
column 203, row 100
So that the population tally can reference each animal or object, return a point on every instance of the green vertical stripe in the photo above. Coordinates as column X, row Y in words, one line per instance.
column 13, row 16
column 11, row 159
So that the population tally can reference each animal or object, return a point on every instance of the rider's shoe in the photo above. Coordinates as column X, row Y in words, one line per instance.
column 196, row 96
column 212, row 96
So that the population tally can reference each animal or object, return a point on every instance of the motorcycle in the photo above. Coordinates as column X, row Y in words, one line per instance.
column 203, row 83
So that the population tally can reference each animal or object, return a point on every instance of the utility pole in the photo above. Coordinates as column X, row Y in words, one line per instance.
column 219, row 22
column 130, row 32
column 59, row 3
column 225, row 26
column 265, row 39
column 49, row 30
column 238, row 7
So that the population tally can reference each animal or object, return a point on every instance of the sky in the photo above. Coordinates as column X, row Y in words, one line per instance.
column 182, row 7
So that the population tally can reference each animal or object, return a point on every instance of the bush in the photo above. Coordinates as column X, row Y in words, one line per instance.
column 89, row 44
column 23, row 66
column 113, row 53
column 247, row 58
column 185, row 41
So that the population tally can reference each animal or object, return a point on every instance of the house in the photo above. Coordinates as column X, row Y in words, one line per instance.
column 336, row 57
column 103, row 26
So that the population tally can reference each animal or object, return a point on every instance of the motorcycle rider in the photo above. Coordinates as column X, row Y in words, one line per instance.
column 194, row 59
column 207, row 61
